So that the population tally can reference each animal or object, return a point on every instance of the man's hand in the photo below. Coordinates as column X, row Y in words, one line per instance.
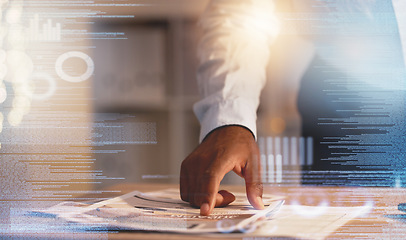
column 225, row 149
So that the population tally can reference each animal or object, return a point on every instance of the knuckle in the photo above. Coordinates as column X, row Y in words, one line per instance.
column 255, row 185
column 258, row 185
column 209, row 175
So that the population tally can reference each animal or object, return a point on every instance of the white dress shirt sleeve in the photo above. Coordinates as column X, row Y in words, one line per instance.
column 233, row 56
column 399, row 7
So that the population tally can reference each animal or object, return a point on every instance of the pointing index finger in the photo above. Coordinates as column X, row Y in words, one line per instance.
column 253, row 183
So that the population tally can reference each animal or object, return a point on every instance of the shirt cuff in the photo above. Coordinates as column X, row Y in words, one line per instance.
column 231, row 112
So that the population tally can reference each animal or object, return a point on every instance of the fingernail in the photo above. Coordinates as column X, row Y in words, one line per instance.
column 259, row 200
column 204, row 209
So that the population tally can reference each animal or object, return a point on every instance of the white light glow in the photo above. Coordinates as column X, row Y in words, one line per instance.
column 16, row 37
column 3, row 56
column 1, row 122
column 3, row 95
column 51, row 88
column 15, row 117
column 262, row 18
column 20, row 64
column 22, row 103
column 321, row 209
column 13, row 15
column 3, row 71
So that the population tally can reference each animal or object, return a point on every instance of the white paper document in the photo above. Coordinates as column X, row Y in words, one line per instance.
column 164, row 211
column 308, row 222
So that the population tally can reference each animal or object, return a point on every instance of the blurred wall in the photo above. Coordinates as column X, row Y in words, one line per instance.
column 150, row 74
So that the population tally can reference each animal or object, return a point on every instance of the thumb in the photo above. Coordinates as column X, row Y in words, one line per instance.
column 207, row 196
column 224, row 198
column 253, row 183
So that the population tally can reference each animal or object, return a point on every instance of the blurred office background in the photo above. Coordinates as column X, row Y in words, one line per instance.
column 151, row 75
column 95, row 94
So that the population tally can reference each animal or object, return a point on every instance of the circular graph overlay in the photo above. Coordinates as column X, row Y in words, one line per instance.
column 225, row 226
column 74, row 54
column 42, row 76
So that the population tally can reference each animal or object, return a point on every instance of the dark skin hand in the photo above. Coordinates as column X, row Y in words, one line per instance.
column 224, row 149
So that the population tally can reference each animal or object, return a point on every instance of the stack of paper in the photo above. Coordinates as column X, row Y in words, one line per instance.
column 164, row 211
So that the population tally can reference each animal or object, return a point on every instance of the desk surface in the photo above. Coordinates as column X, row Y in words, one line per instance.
column 374, row 225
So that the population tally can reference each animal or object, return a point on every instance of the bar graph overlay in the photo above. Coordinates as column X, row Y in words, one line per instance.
column 43, row 30
column 282, row 158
